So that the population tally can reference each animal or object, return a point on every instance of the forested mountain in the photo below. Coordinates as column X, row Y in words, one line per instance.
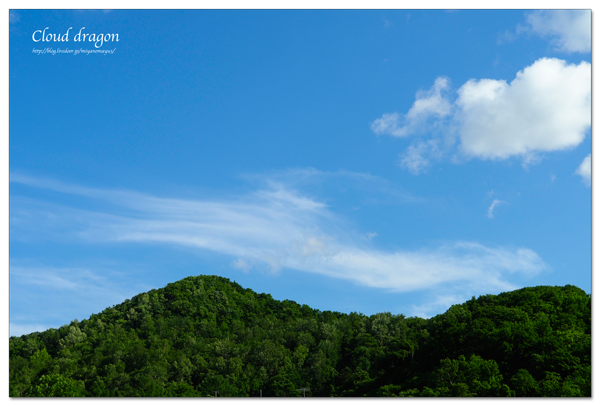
column 206, row 335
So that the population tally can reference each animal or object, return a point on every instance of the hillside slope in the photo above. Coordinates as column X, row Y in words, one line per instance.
column 206, row 335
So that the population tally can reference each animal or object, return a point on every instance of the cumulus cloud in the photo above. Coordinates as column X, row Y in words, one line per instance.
column 585, row 170
column 568, row 30
column 272, row 229
column 430, row 104
column 547, row 107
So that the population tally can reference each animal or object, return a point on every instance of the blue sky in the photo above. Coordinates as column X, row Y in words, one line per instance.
column 369, row 161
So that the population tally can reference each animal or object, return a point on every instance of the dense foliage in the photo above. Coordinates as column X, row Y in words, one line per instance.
column 204, row 335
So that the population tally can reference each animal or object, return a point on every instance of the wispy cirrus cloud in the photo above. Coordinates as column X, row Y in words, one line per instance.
column 417, row 157
column 60, row 293
column 495, row 203
column 271, row 229
column 378, row 189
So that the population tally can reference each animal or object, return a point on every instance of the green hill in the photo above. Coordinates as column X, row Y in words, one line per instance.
column 206, row 335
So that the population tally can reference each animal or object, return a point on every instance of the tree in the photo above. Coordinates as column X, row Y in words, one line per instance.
column 58, row 386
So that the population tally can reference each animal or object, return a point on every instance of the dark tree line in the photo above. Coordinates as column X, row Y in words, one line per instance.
column 206, row 334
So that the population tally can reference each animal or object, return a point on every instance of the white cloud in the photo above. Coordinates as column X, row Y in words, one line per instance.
column 370, row 236
column 414, row 160
column 42, row 296
column 242, row 265
column 471, row 265
column 276, row 229
column 313, row 246
column 429, row 104
column 75, row 279
column 569, row 30
column 495, row 203
column 585, row 170
column 387, row 124
column 417, row 157
column 378, row 189
column 547, row 107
